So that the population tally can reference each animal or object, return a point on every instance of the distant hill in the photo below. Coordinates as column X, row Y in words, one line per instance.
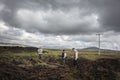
column 90, row 49
column 95, row 49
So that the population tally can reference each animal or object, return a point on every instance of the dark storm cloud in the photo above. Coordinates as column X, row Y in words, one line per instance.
column 56, row 22
column 109, row 13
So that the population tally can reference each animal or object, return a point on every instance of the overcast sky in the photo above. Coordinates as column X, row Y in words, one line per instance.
column 60, row 23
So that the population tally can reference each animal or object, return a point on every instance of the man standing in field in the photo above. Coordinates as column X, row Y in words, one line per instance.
column 40, row 52
column 63, row 56
column 75, row 56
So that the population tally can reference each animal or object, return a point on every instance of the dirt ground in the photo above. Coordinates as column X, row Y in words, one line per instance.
column 28, row 68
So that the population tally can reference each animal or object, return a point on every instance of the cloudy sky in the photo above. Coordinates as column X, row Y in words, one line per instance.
column 60, row 23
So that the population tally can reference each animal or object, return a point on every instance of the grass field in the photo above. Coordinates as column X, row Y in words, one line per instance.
column 91, row 66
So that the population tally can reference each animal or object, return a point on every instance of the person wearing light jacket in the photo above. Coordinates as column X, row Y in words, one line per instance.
column 40, row 52
column 75, row 56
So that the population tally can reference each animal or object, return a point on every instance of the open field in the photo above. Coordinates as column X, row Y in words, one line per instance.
column 24, row 64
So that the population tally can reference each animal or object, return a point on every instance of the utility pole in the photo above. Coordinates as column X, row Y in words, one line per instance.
column 99, row 42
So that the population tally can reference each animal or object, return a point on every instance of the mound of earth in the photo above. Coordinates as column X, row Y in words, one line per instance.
column 101, row 69
column 10, row 71
column 17, row 49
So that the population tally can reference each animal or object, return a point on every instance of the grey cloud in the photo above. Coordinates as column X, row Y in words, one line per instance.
column 10, row 35
column 109, row 13
column 107, row 10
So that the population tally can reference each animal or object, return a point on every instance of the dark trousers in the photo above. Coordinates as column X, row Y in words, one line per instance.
column 63, row 60
column 40, row 56
column 74, row 62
